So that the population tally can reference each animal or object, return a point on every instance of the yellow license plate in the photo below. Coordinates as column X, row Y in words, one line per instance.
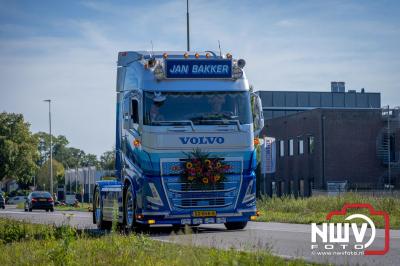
column 204, row 213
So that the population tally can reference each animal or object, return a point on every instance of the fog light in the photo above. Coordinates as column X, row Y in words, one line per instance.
column 151, row 221
column 237, row 72
column 253, row 217
column 139, row 216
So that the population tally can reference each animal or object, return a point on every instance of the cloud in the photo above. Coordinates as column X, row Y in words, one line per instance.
column 299, row 46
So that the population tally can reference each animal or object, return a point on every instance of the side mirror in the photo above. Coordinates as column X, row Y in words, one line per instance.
column 258, row 116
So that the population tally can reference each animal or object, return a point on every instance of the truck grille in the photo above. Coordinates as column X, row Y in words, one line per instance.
column 183, row 195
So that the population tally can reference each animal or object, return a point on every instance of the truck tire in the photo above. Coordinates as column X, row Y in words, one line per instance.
column 98, row 212
column 129, row 208
column 235, row 225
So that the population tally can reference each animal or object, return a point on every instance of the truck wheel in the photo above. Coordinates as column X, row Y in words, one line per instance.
column 235, row 225
column 129, row 208
column 98, row 212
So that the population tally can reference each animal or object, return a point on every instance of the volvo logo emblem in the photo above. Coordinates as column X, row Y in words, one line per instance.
column 201, row 140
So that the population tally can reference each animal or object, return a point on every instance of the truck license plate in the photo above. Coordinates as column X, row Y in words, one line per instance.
column 204, row 213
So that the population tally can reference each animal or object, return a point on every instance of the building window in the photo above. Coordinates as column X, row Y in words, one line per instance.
column 311, row 144
column 282, row 148
column 301, row 146
column 290, row 147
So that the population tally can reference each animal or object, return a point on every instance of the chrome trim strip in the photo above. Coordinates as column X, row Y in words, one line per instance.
column 154, row 213
column 195, row 191
column 203, row 206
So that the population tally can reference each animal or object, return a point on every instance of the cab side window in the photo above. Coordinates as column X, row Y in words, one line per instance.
column 131, row 113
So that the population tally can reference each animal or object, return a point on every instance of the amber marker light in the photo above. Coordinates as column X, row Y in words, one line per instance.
column 229, row 56
column 165, row 55
column 136, row 143
column 151, row 221
column 207, row 55
column 197, row 55
column 186, row 55
column 256, row 141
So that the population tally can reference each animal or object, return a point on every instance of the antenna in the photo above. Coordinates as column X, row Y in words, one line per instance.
column 219, row 46
column 187, row 26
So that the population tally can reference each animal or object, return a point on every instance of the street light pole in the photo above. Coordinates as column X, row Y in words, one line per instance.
column 51, row 150
column 388, row 136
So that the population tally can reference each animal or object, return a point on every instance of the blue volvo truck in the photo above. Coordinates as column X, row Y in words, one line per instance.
column 185, row 142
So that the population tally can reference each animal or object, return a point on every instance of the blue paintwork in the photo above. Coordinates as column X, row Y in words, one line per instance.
column 158, row 191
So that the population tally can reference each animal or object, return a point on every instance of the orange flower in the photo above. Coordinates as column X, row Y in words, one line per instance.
column 205, row 180
column 219, row 165
column 217, row 177
column 207, row 162
column 189, row 165
column 191, row 178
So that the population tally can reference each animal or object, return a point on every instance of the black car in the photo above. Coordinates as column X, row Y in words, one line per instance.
column 41, row 200
column 2, row 202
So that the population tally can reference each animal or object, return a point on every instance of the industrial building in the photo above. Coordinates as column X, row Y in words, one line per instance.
column 282, row 103
column 328, row 138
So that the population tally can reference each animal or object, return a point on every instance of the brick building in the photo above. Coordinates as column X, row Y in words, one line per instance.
column 333, row 145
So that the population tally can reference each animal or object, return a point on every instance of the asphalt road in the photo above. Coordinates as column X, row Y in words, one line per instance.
column 286, row 240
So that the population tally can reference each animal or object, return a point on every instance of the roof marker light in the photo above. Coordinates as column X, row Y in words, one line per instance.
column 229, row 56
column 165, row 55
column 197, row 55
column 207, row 55
column 186, row 55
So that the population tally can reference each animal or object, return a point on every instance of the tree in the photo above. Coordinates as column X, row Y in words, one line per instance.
column 107, row 160
column 18, row 149
column 70, row 157
column 43, row 178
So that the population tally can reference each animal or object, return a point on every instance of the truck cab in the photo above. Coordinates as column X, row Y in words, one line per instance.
column 185, row 153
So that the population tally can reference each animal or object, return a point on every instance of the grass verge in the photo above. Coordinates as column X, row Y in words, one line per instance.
column 84, row 207
column 315, row 209
column 29, row 244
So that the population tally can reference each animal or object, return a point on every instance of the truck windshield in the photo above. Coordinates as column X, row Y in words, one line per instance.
column 202, row 108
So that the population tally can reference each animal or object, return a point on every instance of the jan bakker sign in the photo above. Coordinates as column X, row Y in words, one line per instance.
column 350, row 238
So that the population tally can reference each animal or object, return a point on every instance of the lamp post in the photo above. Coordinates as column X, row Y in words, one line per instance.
column 51, row 149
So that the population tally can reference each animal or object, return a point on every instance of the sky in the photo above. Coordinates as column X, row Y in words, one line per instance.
column 66, row 51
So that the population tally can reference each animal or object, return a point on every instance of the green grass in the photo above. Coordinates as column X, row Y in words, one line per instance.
column 28, row 244
column 82, row 207
column 315, row 209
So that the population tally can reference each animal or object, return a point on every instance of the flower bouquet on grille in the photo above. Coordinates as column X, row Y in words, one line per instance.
column 200, row 168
